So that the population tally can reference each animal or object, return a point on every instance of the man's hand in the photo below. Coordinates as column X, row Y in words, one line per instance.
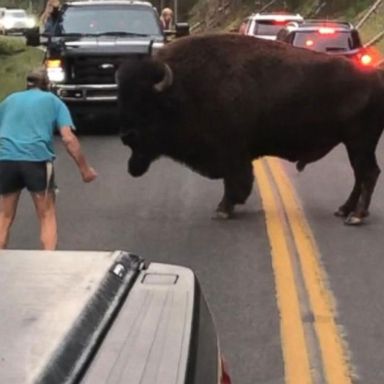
column 88, row 174
column 72, row 145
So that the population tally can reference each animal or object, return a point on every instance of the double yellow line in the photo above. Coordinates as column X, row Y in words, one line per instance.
column 294, row 253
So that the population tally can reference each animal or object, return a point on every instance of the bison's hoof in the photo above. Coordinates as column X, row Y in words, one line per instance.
column 353, row 220
column 341, row 213
column 300, row 165
column 221, row 215
column 137, row 166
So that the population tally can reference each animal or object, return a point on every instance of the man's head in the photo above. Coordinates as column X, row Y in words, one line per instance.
column 38, row 78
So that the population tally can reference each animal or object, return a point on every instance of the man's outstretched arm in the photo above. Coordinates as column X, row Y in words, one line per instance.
column 73, row 147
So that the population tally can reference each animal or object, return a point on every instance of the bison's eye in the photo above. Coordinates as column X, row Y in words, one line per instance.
column 129, row 137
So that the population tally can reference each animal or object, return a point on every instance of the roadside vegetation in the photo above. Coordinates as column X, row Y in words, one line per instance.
column 11, row 45
column 16, row 60
column 228, row 14
column 374, row 26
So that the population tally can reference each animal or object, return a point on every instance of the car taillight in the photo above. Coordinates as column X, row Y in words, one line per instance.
column 366, row 59
column 326, row 31
column 309, row 43
column 280, row 19
column 279, row 22
column 224, row 376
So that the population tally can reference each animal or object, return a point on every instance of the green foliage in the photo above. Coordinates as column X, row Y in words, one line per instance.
column 11, row 45
column 14, row 68
column 294, row 4
column 373, row 27
column 355, row 8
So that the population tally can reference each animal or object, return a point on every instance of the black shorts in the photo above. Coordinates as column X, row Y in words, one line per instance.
column 36, row 176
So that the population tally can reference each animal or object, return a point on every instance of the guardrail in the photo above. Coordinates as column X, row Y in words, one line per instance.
column 380, row 63
column 376, row 39
column 369, row 13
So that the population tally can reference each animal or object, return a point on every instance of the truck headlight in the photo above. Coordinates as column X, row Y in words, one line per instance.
column 8, row 24
column 31, row 22
column 55, row 71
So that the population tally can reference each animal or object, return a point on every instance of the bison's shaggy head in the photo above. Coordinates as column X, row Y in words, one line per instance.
column 144, row 114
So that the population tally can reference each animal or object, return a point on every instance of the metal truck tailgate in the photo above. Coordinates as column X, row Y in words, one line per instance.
column 149, row 341
column 54, row 309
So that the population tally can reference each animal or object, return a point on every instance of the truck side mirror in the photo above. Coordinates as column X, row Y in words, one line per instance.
column 32, row 37
column 182, row 29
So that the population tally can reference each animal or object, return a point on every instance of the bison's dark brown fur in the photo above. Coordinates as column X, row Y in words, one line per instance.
column 232, row 99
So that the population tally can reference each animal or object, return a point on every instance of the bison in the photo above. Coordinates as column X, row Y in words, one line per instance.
column 216, row 102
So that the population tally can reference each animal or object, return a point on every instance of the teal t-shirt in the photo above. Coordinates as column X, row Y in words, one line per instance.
column 28, row 120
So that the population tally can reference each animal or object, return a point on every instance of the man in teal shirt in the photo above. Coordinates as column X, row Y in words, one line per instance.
column 28, row 120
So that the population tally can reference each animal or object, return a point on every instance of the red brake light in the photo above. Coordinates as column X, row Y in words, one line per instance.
column 309, row 43
column 326, row 31
column 366, row 59
column 225, row 378
column 280, row 19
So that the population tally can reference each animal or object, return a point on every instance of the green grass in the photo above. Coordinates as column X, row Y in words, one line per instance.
column 11, row 45
column 14, row 68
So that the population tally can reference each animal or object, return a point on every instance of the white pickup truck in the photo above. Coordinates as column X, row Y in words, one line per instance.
column 15, row 21
column 103, row 317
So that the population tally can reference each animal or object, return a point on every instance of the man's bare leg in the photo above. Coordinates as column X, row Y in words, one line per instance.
column 8, row 207
column 46, row 212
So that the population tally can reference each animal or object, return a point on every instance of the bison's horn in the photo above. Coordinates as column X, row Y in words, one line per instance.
column 166, row 81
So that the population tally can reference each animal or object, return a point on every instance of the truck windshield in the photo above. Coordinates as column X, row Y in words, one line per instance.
column 107, row 19
column 16, row 14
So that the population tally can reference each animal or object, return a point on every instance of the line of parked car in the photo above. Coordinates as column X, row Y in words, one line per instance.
column 334, row 37
column 15, row 21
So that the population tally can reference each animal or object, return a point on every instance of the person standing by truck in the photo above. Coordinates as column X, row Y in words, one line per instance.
column 28, row 120
column 166, row 18
column 49, row 16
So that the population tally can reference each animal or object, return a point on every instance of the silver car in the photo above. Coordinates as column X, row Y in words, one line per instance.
column 267, row 25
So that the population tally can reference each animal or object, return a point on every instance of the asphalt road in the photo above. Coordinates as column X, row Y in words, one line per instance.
column 165, row 216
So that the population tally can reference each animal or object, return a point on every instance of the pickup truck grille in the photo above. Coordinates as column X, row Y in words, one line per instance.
column 94, row 69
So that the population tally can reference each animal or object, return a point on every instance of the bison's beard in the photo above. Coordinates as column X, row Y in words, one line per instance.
column 138, row 164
